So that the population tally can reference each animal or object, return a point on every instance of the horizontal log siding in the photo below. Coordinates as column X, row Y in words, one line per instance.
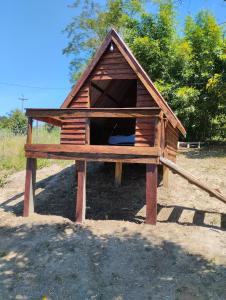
column 112, row 65
column 73, row 130
column 145, row 127
column 171, row 140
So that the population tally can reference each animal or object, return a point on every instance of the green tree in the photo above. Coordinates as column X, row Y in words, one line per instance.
column 17, row 122
column 188, row 69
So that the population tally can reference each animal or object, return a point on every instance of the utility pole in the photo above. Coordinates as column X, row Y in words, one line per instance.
column 22, row 99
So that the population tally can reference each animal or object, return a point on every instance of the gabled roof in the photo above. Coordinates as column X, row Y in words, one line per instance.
column 141, row 74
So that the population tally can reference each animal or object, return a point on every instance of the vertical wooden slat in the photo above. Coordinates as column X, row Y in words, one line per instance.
column 81, row 191
column 30, row 176
column 29, row 187
column 29, row 130
column 118, row 173
column 157, row 142
column 151, row 193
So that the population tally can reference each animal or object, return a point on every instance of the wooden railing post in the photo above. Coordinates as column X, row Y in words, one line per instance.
column 158, row 131
column 118, row 173
column 151, row 193
column 81, row 191
column 30, row 177
column 29, row 130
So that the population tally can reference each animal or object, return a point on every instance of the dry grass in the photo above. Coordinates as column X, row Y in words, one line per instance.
column 12, row 151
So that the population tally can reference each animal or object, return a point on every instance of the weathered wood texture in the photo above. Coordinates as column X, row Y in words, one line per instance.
column 151, row 193
column 94, row 153
column 112, row 65
column 74, row 131
column 171, row 140
column 118, row 173
column 145, row 127
column 29, row 192
column 191, row 179
column 81, row 191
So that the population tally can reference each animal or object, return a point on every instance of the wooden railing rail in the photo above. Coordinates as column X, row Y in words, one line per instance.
column 152, row 112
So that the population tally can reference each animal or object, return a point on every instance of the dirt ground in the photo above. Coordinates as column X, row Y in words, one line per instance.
column 115, row 255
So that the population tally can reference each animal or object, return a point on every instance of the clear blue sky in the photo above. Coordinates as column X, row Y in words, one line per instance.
column 32, row 43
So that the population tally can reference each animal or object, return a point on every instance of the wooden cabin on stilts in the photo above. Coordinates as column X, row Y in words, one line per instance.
column 114, row 113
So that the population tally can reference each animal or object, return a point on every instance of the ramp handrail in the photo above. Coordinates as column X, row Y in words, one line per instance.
column 191, row 179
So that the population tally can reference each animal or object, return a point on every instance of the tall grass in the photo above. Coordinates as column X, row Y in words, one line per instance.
column 12, row 150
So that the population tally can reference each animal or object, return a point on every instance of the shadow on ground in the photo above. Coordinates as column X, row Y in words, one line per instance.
column 56, row 196
column 63, row 261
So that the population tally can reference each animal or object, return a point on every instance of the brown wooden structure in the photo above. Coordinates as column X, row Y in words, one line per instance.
column 114, row 94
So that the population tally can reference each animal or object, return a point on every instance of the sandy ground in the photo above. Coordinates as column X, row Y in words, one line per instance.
column 115, row 255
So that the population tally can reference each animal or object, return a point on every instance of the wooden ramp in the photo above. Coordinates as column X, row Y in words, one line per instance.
column 191, row 179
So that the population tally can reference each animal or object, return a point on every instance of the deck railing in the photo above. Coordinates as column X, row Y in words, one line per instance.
column 94, row 152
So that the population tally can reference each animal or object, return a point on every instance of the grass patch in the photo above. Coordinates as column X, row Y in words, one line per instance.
column 12, row 151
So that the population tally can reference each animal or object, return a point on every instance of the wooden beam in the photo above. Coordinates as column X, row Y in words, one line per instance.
column 118, row 173
column 94, row 149
column 29, row 130
column 52, row 120
column 81, row 191
column 104, row 92
column 95, row 112
column 151, row 193
column 191, row 179
column 29, row 187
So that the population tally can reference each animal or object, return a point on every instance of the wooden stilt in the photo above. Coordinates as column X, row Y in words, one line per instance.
column 151, row 193
column 165, row 177
column 29, row 186
column 118, row 173
column 81, row 191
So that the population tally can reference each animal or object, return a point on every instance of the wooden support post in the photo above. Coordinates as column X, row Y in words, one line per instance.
column 165, row 177
column 151, row 193
column 29, row 131
column 29, row 186
column 81, row 191
column 118, row 173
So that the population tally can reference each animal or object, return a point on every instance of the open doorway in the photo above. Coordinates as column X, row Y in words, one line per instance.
column 113, row 94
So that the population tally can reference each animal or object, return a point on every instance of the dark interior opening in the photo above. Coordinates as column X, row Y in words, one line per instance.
column 113, row 94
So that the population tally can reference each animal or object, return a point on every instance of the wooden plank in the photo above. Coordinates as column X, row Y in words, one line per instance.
column 95, row 149
column 191, row 179
column 113, row 71
column 102, row 157
column 113, row 76
column 118, row 173
column 81, row 191
column 113, row 61
column 52, row 121
column 151, row 194
column 95, row 112
column 77, row 136
column 72, row 142
column 29, row 130
column 101, row 66
column 73, row 131
column 29, row 187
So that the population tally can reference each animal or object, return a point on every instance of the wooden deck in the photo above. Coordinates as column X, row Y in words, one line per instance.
column 128, row 154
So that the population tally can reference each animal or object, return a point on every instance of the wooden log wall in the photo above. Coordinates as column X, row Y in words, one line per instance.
column 171, row 140
column 145, row 127
column 74, row 131
column 112, row 65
